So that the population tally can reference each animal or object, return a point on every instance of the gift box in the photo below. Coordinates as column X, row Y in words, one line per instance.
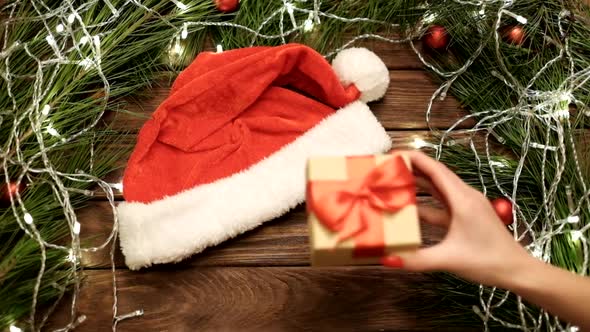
column 361, row 208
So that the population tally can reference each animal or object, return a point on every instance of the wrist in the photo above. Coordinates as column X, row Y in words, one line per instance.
column 525, row 273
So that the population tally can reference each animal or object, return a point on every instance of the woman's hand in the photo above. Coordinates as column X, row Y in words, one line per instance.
column 477, row 246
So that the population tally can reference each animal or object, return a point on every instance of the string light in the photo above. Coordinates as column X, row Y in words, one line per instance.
column 308, row 25
column 52, row 131
column 576, row 235
column 180, row 5
column 573, row 219
column 419, row 143
column 520, row 19
column 76, row 228
column 536, row 145
column 59, row 28
column 86, row 63
column 118, row 186
column 429, row 18
column 45, row 110
column 72, row 256
column 547, row 105
column 50, row 40
column 290, row 8
column 498, row 164
column 28, row 218
column 14, row 328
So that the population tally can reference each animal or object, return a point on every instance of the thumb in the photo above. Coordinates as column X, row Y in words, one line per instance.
column 420, row 260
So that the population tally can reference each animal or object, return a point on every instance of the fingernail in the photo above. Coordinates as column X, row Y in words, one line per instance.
column 395, row 262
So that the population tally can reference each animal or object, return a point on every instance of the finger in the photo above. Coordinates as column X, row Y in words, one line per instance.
column 424, row 184
column 434, row 216
column 421, row 260
column 443, row 179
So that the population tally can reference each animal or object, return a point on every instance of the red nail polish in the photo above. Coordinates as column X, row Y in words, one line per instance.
column 395, row 262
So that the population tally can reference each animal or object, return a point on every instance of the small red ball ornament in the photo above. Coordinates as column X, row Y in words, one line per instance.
column 436, row 37
column 503, row 209
column 8, row 190
column 514, row 35
column 227, row 6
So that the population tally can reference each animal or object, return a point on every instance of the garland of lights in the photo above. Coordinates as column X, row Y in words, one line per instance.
column 548, row 107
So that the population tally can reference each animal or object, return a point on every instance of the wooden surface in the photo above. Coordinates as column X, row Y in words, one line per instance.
column 261, row 280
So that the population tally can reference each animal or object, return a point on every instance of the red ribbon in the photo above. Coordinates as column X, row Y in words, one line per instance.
column 353, row 208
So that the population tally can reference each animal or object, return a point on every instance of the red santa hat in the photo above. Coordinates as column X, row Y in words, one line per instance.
column 226, row 151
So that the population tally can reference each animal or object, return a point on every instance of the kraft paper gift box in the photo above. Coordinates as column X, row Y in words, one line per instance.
column 361, row 209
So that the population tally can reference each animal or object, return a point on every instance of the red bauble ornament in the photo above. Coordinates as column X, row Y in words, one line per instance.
column 436, row 37
column 227, row 6
column 503, row 209
column 514, row 34
column 10, row 189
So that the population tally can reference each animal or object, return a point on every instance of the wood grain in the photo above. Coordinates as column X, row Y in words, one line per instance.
column 403, row 107
column 394, row 55
column 280, row 242
column 264, row 299
column 260, row 280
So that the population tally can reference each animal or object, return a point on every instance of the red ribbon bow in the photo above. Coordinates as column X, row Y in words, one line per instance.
column 353, row 207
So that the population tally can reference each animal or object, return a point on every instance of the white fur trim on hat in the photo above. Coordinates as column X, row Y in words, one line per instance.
column 365, row 70
column 178, row 226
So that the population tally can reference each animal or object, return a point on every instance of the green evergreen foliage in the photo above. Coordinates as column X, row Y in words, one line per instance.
column 138, row 48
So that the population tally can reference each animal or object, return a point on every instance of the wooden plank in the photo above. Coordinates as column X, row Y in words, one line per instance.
column 396, row 56
column 403, row 107
column 265, row 299
column 280, row 242
column 401, row 140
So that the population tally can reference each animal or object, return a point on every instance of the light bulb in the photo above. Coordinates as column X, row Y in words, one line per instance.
column 51, row 131
column 28, row 218
column 14, row 328
column 71, row 256
column 76, row 228
column 308, row 25
column 118, row 186
column 50, row 40
column 521, row 19
column 59, row 28
column 45, row 110
column 429, row 18
column 419, row 143
column 289, row 8
column 497, row 163
column 86, row 63
column 576, row 235
column 71, row 18
column 180, row 5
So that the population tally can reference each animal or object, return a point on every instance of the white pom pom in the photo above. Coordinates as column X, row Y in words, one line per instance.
column 363, row 68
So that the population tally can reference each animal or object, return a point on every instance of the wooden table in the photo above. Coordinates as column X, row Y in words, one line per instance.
column 262, row 280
